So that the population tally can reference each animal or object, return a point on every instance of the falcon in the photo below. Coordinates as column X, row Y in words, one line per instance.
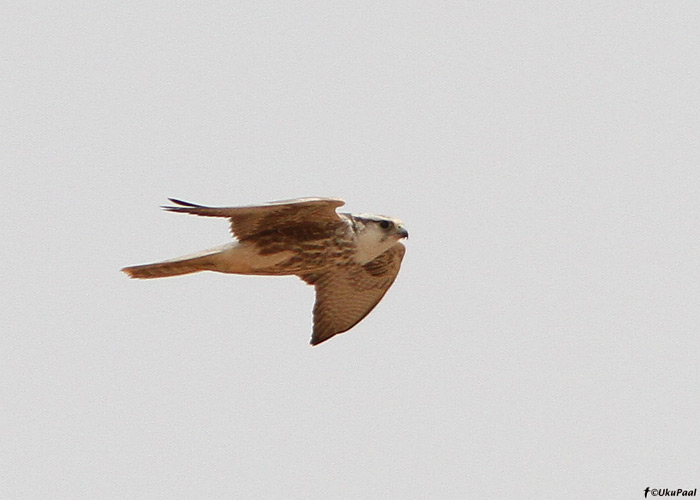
column 350, row 259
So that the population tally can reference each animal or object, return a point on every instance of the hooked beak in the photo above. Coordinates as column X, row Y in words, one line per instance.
column 402, row 232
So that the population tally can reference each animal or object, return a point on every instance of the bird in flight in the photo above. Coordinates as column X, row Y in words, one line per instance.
column 350, row 259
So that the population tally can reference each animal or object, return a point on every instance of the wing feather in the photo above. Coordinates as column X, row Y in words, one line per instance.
column 346, row 294
column 247, row 221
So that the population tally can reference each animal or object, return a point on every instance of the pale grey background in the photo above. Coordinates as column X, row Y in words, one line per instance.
column 541, row 341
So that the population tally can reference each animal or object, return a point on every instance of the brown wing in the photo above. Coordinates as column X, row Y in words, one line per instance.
column 346, row 294
column 248, row 221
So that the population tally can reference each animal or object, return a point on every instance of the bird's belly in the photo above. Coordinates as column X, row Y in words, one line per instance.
column 245, row 258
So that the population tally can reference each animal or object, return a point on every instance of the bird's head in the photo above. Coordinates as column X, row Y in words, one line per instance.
column 375, row 235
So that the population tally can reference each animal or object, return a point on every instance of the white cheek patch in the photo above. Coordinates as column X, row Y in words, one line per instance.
column 370, row 243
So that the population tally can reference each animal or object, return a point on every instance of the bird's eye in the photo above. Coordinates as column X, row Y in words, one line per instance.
column 385, row 224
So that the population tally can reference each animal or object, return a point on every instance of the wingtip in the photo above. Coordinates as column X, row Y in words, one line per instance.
column 177, row 202
column 182, row 203
column 317, row 339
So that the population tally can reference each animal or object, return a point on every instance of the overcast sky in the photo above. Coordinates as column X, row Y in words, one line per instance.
column 541, row 341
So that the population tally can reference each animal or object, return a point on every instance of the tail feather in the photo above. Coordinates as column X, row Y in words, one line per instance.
column 202, row 261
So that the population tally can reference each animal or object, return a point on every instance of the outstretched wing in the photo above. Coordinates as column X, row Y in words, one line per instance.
column 347, row 293
column 248, row 221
